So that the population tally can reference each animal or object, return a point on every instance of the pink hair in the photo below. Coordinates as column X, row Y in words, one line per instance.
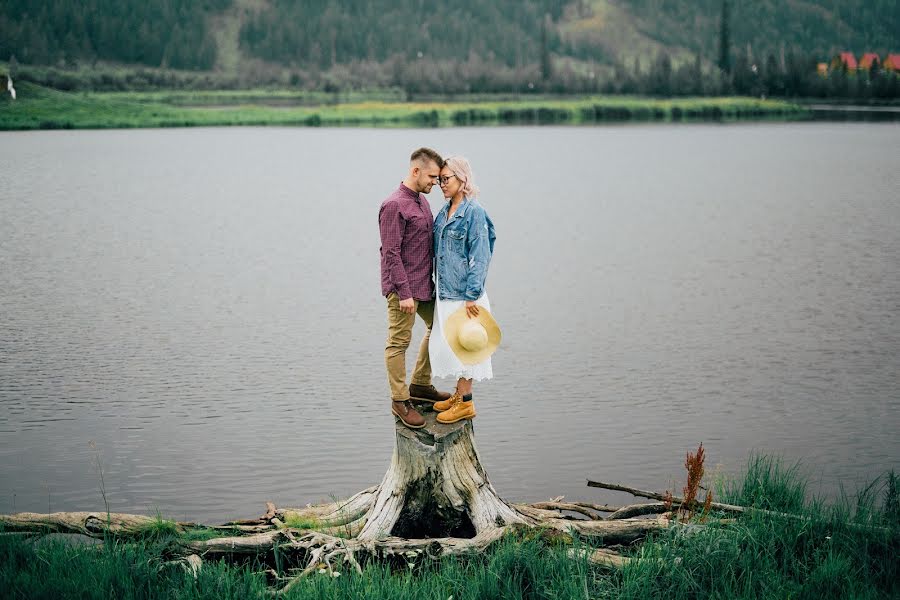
column 461, row 168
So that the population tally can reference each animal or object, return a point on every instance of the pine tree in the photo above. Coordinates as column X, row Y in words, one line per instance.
column 725, row 40
column 546, row 65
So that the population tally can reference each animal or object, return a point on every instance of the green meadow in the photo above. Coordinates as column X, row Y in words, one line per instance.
column 844, row 548
column 43, row 108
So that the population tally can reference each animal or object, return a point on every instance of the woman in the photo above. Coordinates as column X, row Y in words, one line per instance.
column 463, row 245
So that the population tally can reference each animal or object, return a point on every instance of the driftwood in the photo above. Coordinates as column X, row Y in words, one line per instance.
column 660, row 507
column 677, row 501
column 84, row 523
column 638, row 510
column 602, row 556
column 588, row 510
column 434, row 500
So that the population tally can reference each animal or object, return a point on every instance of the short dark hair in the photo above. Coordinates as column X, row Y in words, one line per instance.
column 427, row 154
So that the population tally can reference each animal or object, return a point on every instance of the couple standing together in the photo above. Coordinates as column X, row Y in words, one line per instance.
column 436, row 268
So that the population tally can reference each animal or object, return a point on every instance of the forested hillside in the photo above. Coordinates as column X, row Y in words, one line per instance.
column 325, row 33
column 168, row 33
column 497, row 36
column 820, row 27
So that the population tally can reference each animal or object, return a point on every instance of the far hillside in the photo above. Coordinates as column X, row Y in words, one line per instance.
column 469, row 46
column 820, row 27
column 157, row 33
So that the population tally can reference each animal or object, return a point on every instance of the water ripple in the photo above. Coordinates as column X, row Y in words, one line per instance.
column 221, row 353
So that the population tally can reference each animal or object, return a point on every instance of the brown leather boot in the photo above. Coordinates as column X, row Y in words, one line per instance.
column 404, row 411
column 459, row 411
column 426, row 393
column 446, row 404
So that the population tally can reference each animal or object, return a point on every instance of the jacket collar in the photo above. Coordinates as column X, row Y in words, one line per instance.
column 460, row 211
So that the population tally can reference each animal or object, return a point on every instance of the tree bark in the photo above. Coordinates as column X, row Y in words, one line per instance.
column 436, row 487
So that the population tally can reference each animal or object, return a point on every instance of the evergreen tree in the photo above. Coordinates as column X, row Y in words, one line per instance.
column 725, row 40
column 661, row 75
column 546, row 64
column 773, row 77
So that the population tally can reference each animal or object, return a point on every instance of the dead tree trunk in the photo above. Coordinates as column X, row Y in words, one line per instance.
column 436, row 487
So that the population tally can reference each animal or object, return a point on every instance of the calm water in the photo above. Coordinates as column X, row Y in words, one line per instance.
column 203, row 304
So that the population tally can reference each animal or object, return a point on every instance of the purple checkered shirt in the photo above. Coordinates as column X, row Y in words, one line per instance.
column 405, row 222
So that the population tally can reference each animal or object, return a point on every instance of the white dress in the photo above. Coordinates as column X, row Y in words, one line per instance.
column 444, row 363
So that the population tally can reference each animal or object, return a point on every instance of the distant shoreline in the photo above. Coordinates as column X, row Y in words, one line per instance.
column 853, row 108
column 43, row 108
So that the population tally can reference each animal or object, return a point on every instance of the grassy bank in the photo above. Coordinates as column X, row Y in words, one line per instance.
column 843, row 549
column 43, row 108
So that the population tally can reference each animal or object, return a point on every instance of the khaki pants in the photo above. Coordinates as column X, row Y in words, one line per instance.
column 400, row 326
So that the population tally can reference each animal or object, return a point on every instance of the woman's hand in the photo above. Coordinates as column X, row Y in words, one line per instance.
column 471, row 309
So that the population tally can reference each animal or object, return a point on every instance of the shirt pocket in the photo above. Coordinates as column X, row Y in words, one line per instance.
column 456, row 242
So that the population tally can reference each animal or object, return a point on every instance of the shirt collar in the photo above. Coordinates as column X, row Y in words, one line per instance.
column 408, row 192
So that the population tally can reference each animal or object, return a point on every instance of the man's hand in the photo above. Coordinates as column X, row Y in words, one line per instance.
column 471, row 309
column 408, row 306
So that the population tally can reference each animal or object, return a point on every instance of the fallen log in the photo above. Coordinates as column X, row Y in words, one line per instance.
column 602, row 557
column 85, row 523
column 637, row 510
column 677, row 501
column 729, row 508
column 565, row 507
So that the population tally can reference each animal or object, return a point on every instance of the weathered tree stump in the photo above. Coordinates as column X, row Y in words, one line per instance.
column 436, row 487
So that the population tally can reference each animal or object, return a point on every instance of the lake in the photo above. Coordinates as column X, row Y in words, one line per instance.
column 202, row 306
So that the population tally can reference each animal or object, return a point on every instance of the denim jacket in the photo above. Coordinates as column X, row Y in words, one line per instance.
column 462, row 249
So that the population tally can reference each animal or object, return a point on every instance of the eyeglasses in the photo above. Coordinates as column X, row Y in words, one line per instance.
column 446, row 180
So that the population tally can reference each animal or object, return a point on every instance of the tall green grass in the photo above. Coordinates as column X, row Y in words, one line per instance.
column 60, row 569
column 56, row 568
column 43, row 108
column 767, row 483
column 846, row 548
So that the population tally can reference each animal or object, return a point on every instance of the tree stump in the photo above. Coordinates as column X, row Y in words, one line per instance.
column 436, row 487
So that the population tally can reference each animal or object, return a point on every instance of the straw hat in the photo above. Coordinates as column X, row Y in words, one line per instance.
column 472, row 339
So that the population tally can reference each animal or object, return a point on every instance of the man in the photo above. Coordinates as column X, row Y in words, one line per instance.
column 407, row 254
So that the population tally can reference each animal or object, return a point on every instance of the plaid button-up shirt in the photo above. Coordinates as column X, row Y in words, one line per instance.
column 407, row 255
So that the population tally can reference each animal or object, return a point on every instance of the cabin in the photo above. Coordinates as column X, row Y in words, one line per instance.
column 844, row 60
column 868, row 61
column 892, row 63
